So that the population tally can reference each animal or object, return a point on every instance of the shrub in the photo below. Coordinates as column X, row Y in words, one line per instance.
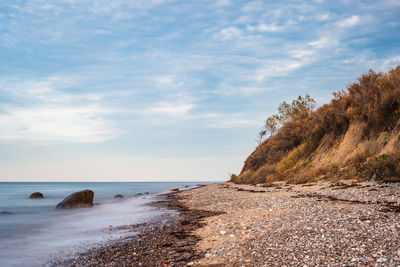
column 287, row 112
column 291, row 159
column 374, row 101
column 261, row 174
column 380, row 168
column 234, row 178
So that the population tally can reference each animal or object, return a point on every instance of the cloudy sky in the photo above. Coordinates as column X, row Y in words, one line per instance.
column 134, row 90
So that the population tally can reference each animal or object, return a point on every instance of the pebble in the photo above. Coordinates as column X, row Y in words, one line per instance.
column 305, row 226
column 322, row 225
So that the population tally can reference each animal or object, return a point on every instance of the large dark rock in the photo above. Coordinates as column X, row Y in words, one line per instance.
column 81, row 199
column 36, row 195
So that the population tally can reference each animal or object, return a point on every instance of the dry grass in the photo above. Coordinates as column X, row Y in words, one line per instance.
column 291, row 159
column 360, row 124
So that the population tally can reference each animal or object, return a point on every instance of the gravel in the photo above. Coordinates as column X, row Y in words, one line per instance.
column 285, row 225
column 322, row 224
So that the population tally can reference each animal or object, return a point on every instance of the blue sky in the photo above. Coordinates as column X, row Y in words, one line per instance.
column 129, row 90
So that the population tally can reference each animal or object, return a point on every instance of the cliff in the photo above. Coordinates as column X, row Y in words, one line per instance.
column 355, row 136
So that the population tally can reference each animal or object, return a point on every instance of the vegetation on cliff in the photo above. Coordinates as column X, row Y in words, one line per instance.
column 356, row 135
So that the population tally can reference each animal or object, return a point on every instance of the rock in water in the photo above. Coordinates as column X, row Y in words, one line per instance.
column 36, row 195
column 175, row 190
column 81, row 199
column 118, row 196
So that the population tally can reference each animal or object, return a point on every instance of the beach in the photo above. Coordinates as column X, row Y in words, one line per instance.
column 328, row 224
column 34, row 233
column 168, row 240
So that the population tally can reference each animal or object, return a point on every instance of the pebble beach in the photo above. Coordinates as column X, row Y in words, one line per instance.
column 321, row 224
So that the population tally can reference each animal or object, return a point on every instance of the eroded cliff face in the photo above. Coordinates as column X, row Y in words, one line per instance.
column 355, row 136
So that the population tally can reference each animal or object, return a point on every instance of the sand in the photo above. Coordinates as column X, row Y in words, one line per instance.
column 225, row 224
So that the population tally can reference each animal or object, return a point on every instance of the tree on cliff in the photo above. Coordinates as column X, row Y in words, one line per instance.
column 286, row 112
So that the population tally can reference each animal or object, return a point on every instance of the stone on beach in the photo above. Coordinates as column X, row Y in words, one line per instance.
column 325, row 224
column 175, row 190
column 81, row 199
column 321, row 224
column 118, row 196
column 36, row 195
column 167, row 240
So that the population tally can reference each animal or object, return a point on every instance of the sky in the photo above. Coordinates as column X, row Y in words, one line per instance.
column 169, row 90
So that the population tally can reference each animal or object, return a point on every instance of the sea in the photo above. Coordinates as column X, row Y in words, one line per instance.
column 34, row 233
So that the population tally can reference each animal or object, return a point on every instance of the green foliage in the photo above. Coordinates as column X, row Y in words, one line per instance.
column 298, row 106
column 287, row 112
column 272, row 124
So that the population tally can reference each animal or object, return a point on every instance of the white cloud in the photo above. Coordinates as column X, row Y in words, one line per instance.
column 83, row 124
column 323, row 16
column 278, row 69
column 389, row 63
column 223, row 3
column 229, row 33
column 349, row 22
column 244, row 19
column 50, row 115
column 167, row 80
column 239, row 90
column 327, row 40
column 300, row 54
column 268, row 28
column 253, row 6
column 170, row 109
column 226, row 124
column 226, row 121
column 265, row 28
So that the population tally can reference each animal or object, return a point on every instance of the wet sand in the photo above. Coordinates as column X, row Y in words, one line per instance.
column 167, row 241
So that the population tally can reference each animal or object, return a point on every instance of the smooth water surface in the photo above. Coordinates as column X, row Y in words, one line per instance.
column 32, row 232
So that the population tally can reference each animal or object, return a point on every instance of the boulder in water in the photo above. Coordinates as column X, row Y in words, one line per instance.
column 118, row 196
column 36, row 195
column 81, row 199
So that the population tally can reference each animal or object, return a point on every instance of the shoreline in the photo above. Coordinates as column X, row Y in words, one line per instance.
column 225, row 224
column 165, row 241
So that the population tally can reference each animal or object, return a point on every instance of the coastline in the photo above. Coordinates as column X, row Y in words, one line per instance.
column 166, row 241
column 226, row 224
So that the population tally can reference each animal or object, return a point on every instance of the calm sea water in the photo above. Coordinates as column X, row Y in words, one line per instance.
column 32, row 232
